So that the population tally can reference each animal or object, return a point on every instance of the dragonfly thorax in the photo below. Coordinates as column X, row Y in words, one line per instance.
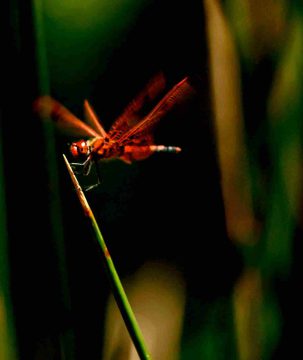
column 103, row 147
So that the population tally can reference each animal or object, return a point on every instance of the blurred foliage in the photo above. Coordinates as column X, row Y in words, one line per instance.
column 7, row 325
column 210, row 329
column 89, row 33
column 269, row 39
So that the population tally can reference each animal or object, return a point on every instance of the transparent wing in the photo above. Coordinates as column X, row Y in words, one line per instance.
column 133, row 112
column 177, row 95
column 48, row 108
column 93, row 120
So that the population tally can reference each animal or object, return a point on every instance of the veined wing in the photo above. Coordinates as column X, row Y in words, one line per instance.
column 178, row 94
column 47, row 107
column 93, row 120
column 133, row 112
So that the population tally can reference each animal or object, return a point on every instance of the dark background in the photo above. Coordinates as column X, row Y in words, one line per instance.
column 166, row 207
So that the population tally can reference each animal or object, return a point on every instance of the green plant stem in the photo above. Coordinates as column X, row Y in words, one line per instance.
column 116, row 285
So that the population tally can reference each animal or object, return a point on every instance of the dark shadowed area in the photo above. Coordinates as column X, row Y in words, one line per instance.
column 168, row 207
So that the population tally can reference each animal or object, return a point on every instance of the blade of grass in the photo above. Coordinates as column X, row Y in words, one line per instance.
column 66, row 338
column 116, row 285
column 8, row 349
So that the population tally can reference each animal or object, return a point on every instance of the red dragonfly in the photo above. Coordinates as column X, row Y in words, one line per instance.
column 129, row 138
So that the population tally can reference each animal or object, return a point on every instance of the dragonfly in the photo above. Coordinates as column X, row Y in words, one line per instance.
column 130, row 138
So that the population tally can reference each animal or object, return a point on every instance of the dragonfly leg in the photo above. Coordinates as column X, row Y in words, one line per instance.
column 87, row 165
column 98, row 178
column 82, row 168
column 77, row 167
column 98, row 173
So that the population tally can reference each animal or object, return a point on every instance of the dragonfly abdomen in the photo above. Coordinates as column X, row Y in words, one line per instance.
column 162, row 148
column 137, row 152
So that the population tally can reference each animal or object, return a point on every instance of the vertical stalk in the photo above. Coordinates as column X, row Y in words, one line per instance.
column 116, row 285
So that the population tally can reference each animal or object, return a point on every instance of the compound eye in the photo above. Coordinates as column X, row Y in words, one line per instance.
column 74, row 150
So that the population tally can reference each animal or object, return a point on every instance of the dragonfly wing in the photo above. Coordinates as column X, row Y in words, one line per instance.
column 93, row 120
column 132, row 114
column 48, row 108
column 144, row 139
column 177, row 95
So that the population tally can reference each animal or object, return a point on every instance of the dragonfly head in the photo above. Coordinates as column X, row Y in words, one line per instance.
column 80, row 149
